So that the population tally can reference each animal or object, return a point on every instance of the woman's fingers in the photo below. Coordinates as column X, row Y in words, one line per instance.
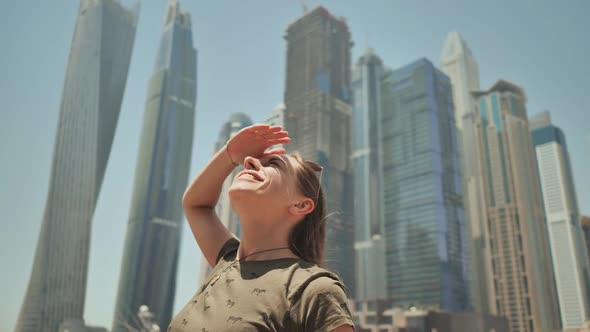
column 276, row 141
column 274, row 151
column 258, row 127
column 275, row 129
column 279, row 134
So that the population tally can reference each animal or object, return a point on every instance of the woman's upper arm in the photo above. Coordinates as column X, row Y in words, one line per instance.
column 208, row 231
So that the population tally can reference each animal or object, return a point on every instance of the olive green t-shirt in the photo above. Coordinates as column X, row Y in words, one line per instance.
column 286, row 294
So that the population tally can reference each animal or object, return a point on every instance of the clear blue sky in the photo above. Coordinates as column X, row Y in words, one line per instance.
column 541, row 45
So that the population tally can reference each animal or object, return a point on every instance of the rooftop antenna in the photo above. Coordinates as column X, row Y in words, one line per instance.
column 304, row 5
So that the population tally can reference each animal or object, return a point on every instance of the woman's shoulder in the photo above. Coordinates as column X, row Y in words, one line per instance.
column 309, row 280
column 318, row 300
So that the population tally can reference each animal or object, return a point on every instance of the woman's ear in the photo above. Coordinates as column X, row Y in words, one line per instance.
column 302, row 207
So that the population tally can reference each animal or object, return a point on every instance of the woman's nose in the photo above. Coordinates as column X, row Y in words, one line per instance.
column 252, row 163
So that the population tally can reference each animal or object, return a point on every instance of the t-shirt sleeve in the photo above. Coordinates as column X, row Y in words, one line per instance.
column 323, row 306
column 230, row 247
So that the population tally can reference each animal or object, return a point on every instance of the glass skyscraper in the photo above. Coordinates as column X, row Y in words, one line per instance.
column 317, row 117
column 566, row 239
column 150, row 257
column 424, row 219
column 367, row 171
column 507, row 211
column 228, row 218
column 91, row 101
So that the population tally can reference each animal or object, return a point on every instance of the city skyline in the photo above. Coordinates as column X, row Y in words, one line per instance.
column 113, row 177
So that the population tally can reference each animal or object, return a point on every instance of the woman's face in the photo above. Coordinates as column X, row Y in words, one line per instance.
column 267, row 182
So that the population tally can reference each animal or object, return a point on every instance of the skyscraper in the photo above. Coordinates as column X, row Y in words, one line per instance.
column 236, row 122
column 91, row 101
column 566, row 240
column 149, row 264
column 506, row 212
column 367, row 171
column 424, row 219
column 317, row 117
column 458, row 63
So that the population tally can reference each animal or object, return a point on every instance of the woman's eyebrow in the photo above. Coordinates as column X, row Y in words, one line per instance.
column 282, row 164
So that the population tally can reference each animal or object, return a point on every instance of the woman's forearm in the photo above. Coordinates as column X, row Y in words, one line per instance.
column 205, row 188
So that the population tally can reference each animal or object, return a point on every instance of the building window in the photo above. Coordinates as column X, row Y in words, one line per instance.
column 528, row 308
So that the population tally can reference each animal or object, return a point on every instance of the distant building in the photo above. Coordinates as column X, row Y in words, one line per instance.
column 277, row 116
column 382, row 316
column 94, row 84
column 317, row 117
column 506, row 212
column 567, row 243
column 425, row 239
column 228, row 218
column 150, row 256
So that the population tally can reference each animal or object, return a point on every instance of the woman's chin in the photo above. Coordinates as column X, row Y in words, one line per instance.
column 247, row 196
column 239, row 191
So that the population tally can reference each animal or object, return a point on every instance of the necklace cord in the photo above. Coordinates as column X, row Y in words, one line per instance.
column 259, row 252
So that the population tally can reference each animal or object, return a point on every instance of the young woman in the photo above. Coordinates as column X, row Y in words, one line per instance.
column 270, row 279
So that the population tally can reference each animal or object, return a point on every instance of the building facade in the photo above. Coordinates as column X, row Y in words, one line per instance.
column 367, row 172
column 91, row 102
column 317, row 117
column 228, row 218
column 506, row 211
column 566, row 240
column 426, row 254
column 150, row 255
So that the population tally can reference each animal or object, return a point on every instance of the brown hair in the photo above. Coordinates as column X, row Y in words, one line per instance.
column 308, row 237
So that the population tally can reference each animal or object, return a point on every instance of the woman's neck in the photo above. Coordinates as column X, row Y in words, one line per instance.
column 260, row 242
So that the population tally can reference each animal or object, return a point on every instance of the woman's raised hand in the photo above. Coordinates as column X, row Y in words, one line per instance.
column 253, row 141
